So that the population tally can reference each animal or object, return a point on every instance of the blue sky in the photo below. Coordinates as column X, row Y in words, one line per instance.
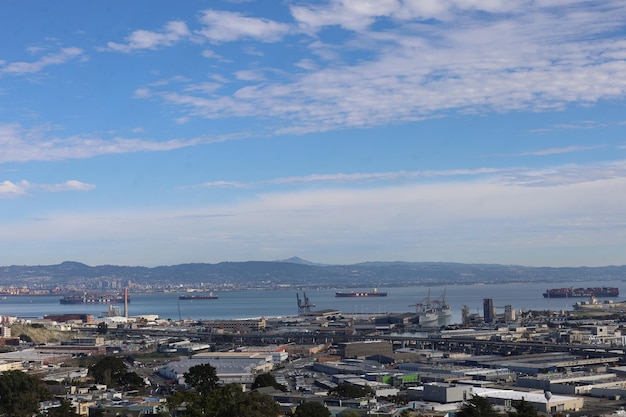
column 155, row 132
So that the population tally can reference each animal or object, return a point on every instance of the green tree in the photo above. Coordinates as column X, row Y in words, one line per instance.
column 203, row 378
column 267, row 380
column 25, row 338
column 350, row 413
column 477, row 406
column 222, row 401
column 182, row 400
column 103, row 328
column 522, row 409
column 20, row 394
column 107, row 370
column 312, row 409
column 112, row 371
column 131, row 380
column 254, row 404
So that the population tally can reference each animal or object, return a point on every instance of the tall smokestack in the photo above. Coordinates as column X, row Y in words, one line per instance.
column 126, row 302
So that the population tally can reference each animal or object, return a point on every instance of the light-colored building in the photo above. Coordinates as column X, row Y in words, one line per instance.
column 229, row 369
column 305, row 350
column 279, row 353
column 446, row 393
column 361, row 350
column 82, row 407
column 10, row 366
column 545, row 402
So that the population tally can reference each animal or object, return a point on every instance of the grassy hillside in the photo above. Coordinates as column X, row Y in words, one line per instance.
column 40, row 334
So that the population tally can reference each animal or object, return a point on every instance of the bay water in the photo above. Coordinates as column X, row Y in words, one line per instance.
column 281, row 303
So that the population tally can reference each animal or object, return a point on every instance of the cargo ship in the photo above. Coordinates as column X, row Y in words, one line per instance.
column 373, row 293
column 93, row 299
column 208, row 296
column 582, row 292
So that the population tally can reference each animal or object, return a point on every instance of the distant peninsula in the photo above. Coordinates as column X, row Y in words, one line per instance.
column 299, row 273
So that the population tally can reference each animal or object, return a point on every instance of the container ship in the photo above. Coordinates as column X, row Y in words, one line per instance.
column 209, row 296
column 374, row 293
column 93, row 299
column 582, row 292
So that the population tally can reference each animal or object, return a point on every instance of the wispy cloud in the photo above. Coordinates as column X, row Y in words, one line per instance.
column 21, row 67
column 172, row 33
column 581, row 125
column 566, row 174
column 416, row 71
column 223, row 184
column 567, row 149
column 513, row 176
column 355, row 178
column 359, row 15
column 21, row 188
column 39, row 144
column 216, row 27
column 380, row 176
column 352, row 15
column 223, row 26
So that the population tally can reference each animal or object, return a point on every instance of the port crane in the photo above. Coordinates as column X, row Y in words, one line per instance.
column 304, row 305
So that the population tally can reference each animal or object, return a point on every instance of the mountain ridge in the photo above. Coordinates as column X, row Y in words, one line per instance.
column 298, row 272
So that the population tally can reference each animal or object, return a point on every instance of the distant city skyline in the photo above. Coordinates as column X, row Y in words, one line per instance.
column 339, row 131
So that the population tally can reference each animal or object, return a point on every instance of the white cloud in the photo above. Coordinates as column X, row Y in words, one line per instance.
column 8, row 188
column 13, row 189
column 250, row 75
column 223, row 184
column 61, row 57
column 566, row 174
column 579, row 125
column 511, row 176
column 204, row 87
column 35, row 50
column 38, row 144
column 223, row 26
column 307, row 64
column 539, row 60
column 70, row 185
column 567, row 149
column 141, row 93
column 358, row 15
column 350, row 14
column 207, row 53
column 358, row 178
column 172, row 33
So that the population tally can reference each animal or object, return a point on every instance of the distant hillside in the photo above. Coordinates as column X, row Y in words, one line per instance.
column 296, row 260
column 305, row 274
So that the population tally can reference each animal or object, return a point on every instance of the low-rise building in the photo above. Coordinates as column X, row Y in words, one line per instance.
column 235, row 326
column 361, row 350
column 446, row 393
column 545, row 402
column 229, row 369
